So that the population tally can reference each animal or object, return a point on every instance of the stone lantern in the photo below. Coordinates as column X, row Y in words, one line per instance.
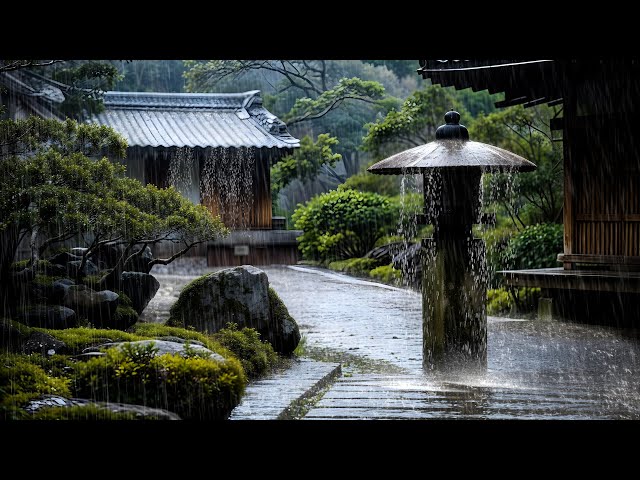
column 454, row 268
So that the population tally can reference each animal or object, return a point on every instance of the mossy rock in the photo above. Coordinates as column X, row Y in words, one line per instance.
column 195, row 388
column 241, row 296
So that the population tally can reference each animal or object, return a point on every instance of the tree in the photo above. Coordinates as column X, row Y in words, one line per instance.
column 51, row 191
column 535, row 197
column 305, row 162
column 82, row 81
column 414, row 123
column 321, row 94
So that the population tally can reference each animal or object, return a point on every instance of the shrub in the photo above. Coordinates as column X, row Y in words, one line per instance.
column 536, row 246
column 194, row 388
column 355, row 266
column 342, row 224
column 386, row 274
column 499, row 301
column 22, row 379
column 256, row 356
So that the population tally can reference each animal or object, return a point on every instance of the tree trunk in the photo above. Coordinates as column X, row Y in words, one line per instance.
column 113, row 280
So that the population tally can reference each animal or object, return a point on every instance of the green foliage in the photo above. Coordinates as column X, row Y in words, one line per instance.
column 368, row 182
column 194, row 388
column 536, row 246
column 305, row 162
column 416, row 121
column 401, row 68
column 355, row 266
column 347, row 89
column 342, row 224
column 90, row 412
column 386, row 274
column 499, row 301
column 85, row 82
column 534, row 197
column 257, row 357
column 49, row 187
column 21, row 380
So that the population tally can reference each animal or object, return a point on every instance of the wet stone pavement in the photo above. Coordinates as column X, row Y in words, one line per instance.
column 536, row 369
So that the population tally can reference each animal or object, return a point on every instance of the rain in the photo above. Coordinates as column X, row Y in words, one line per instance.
column 319, row 240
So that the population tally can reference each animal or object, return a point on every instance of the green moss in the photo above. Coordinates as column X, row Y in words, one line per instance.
column 85, row 412
column 257, row 357
column 188, row 295
column 21, row 380
column 45, row 280
column 501, row 301
column 20, row 265
column 22, row 329
column 386, row 274
column 125, row 315
column 77, row 339
column 154, row 330
column 194, row 388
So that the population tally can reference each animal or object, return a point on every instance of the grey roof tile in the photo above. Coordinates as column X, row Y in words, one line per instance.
column 194, row 120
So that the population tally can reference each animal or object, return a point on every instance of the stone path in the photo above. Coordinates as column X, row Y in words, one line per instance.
column 536, row 369
column 279, row 396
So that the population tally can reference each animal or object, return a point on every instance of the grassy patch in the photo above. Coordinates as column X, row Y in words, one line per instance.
column 22, row 379
column 355, row 266
column 194, row 388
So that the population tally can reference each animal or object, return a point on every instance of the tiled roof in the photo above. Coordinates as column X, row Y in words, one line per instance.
column 194, row 120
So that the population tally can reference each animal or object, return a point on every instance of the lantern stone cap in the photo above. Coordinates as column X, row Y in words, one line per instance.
column 452, row 149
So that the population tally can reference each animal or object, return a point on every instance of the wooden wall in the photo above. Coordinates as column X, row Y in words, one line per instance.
column 268, row 255
column 234, row 183
column 602, row 174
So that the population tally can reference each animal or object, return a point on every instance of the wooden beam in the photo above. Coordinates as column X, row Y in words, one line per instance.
column 599, row 259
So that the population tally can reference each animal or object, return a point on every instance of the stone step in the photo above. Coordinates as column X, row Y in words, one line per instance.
column 271, row 397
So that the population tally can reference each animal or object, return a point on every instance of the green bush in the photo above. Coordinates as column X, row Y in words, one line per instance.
column 367, row 182
column 386, row 274
column 536, row 246
column 499, row 301
column 355, row 266
column 22, row 379
column 343, row 224
column 257, row 357
column 502, row 301
column 194, row 388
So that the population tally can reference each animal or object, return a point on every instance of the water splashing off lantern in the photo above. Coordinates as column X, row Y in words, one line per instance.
column 454, row 274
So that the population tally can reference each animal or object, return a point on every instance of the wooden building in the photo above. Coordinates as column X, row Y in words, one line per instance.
column 217, row 149
column 599, row 277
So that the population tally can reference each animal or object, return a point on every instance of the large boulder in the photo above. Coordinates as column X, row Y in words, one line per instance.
column 99, row 307
column 284, row 335
column 49, row 316
column 163, row 347
column 63, row 258
column 44, row 344
column 140, row 288
column 239, row 295
column 140, row 263
column 89, row 268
